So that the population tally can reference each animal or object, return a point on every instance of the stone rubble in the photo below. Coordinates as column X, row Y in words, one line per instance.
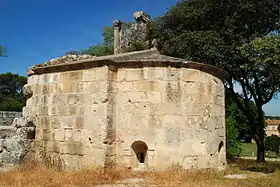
column 64, row 59
column 15, row 142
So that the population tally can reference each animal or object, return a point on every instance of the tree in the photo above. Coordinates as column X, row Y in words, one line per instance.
column 212, row 32
column 234, row 120
column 99, row 50
column 237, row 124
column 107, row 48
column 273, row 117
column 260, row 78
column 74, row 52
column 11, row 94
column 137, row 46
column 272, row 143
column 232, row 143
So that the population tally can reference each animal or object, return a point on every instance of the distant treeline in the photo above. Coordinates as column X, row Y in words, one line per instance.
column 272, row 117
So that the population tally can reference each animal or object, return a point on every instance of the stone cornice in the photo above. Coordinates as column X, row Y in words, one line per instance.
column 138, row 59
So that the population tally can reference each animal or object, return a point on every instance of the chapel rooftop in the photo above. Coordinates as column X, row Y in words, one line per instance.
column 136, row 59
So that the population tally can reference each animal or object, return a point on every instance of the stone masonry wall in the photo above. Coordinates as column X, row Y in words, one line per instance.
column 178, row 113
column 138, row 109
column 70, row 112
column 16, row 138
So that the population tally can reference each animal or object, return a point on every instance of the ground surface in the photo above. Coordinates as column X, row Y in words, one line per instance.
column 241, row 173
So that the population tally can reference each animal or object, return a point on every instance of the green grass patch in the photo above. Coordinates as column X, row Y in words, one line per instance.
column 248, row 149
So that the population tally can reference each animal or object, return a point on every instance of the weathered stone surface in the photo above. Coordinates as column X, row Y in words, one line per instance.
column 27, row 91
column 64, row 59
column 16, row 141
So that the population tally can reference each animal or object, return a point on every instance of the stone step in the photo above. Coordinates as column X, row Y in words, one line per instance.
column 141, row 167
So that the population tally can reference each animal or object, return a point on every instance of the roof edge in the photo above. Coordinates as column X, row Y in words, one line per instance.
column 151, row 57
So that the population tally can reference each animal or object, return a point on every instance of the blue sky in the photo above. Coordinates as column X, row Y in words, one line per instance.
column 35, row 31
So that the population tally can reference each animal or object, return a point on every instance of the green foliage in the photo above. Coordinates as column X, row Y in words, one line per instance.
column 73, row 52
column 137, row 46
column 107, row 48
column 236, row 125
column 11, row 94
column 264, row 50
column 233, row 145
column 99, row 50
column 272, row 143
column 262, row 67
column 143, row 45
column 108, row 36
column 233, row 111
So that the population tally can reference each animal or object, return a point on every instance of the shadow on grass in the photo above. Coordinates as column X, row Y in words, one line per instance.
column 265, row 170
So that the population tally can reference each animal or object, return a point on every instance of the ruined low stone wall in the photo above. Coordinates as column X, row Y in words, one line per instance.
column 16, row 141
column 7, row 117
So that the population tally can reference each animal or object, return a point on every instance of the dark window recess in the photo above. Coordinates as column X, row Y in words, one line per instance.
column 140, row 149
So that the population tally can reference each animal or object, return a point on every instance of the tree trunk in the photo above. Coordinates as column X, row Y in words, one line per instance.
column 260, row 147
column 259, row 135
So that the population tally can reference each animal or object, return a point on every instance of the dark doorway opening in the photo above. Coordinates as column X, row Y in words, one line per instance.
column 140, row 149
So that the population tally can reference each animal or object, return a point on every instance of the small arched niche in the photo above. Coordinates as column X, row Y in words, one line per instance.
column 140, row 149
column 221, row 144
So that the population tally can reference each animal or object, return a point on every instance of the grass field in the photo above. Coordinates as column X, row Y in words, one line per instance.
column 258, row 174
column 250, row 150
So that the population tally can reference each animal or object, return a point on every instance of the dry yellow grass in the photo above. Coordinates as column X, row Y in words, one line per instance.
column 32, row 174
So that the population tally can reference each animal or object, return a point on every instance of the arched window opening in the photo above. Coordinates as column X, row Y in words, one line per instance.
column 221, row 144
column 140, row 149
